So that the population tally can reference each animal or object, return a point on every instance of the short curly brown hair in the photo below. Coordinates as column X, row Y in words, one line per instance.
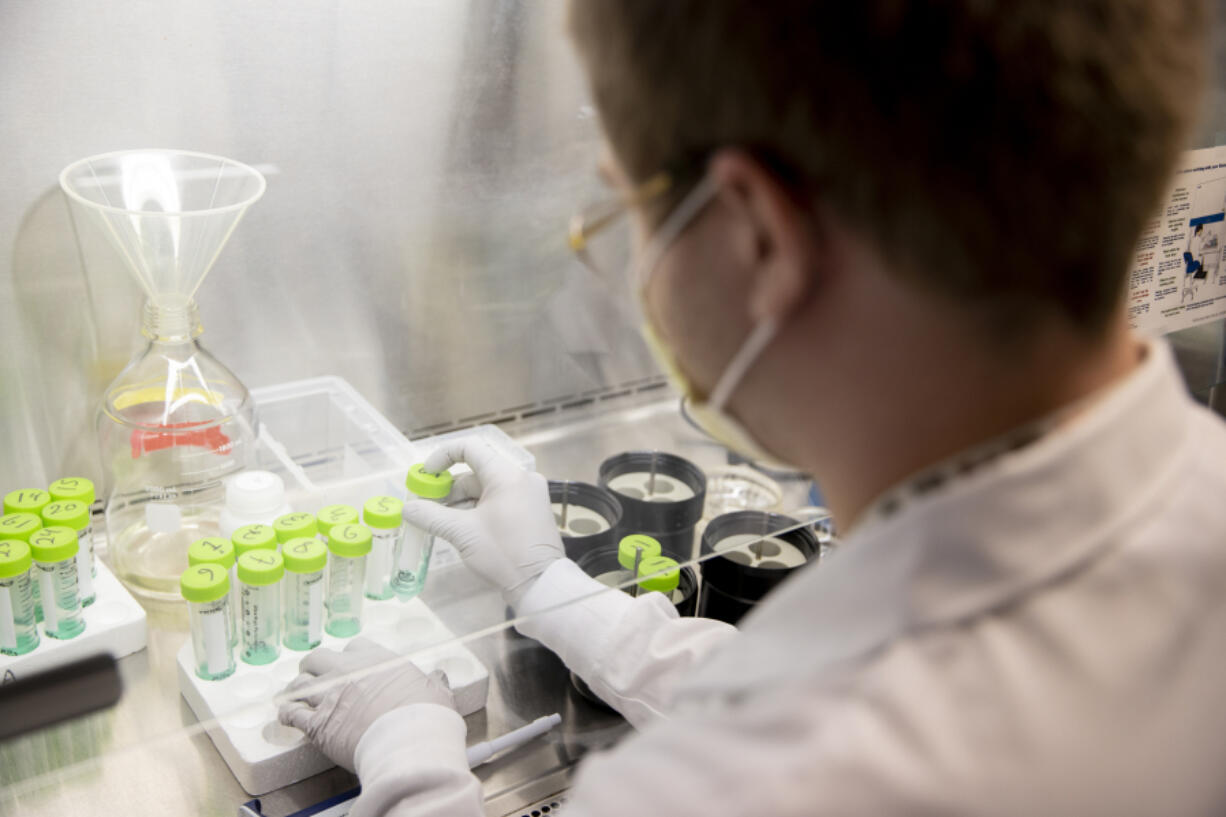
column 1003, row 152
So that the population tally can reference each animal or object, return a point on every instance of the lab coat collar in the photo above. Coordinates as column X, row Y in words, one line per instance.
column 1020, row 521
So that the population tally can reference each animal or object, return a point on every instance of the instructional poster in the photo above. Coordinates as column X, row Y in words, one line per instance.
column 1177, row 278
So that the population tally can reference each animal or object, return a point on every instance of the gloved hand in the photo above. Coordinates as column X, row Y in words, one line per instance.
column 510, row 537
column 343, row 693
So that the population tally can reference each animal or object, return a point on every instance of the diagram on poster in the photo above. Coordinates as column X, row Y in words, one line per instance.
column 1178, row 279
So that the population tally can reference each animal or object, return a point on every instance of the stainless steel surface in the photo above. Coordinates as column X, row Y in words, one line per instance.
column 551, row 805
column 148, row 754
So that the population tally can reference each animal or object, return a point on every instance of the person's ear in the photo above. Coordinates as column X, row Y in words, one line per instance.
column 773, row 234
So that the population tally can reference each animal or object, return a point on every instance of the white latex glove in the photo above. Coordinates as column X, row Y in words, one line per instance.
column 343, row 693
column 510, row 537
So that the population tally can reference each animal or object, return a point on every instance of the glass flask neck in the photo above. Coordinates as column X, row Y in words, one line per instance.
column 171, row 320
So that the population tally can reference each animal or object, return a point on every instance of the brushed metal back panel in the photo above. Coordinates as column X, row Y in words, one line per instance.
column 422, row 160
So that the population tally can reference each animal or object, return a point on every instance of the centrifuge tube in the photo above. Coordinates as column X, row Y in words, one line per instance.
column 206, row 587
column 413, row 553
column 26, row 500
column 331, row 515
column 78, row 489
column 253, row 537
column 382, row 514
column 259, row 578
column 632, row 550
column 54, row 551
column 213, row 550
column 18, row 627
column 74, row 515
column 294, row 526
column 348, row 546
column 19, row 526
column 303, row 592
column 659, row 574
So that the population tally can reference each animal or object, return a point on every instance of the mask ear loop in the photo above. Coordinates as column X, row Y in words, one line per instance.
column 745, row 357
column 673, row 225
column 649, row 262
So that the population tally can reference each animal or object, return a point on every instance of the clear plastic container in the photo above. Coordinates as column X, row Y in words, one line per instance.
column 330, row 445
column 175, row 422
column 18, row 625
column 382, row 514
column 348, row 547
column 413, row 554
column 74, row 515
column 302, row 597
column 54, row 551
column 206, row 587
column 259, row 578
column 79, row 489
column 252, row 497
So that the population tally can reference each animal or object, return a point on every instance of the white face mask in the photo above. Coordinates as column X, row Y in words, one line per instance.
column 710, row 413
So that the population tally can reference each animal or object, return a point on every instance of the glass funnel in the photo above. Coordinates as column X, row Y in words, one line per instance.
column 175, row 422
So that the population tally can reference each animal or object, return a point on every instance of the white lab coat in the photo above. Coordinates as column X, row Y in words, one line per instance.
column 1045, row 635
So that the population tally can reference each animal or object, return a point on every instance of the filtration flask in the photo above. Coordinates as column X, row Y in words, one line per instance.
column 175, row 422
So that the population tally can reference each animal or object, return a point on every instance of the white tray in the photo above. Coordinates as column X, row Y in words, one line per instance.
column 114, row 624
column 265, row 755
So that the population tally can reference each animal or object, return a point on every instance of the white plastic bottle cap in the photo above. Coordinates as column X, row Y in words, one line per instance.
column 254, row 494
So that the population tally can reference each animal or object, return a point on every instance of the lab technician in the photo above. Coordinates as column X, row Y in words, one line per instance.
column 887, row 242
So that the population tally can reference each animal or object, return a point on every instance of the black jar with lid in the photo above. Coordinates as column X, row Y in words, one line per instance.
column 577, row 538
column 666, row 507
column 733, row 583
column 602, row 563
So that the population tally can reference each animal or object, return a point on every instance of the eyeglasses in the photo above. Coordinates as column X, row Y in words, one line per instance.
column 600, row 235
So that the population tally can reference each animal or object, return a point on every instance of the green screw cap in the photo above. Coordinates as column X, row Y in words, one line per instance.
column 53, row 544
column 382, row 512
column 254, row 537
column 331, row 515
column 636, row 541
column 19, row 526
column 212, row 550
column 78, row 489
column 304, row 555
column 15, row 558
column 294, row 526
column 667, row 577
column 26, row 500
column 204, row 583
column 260, row 567
column 426, row 485
column 69, row 513
column 350, row 541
